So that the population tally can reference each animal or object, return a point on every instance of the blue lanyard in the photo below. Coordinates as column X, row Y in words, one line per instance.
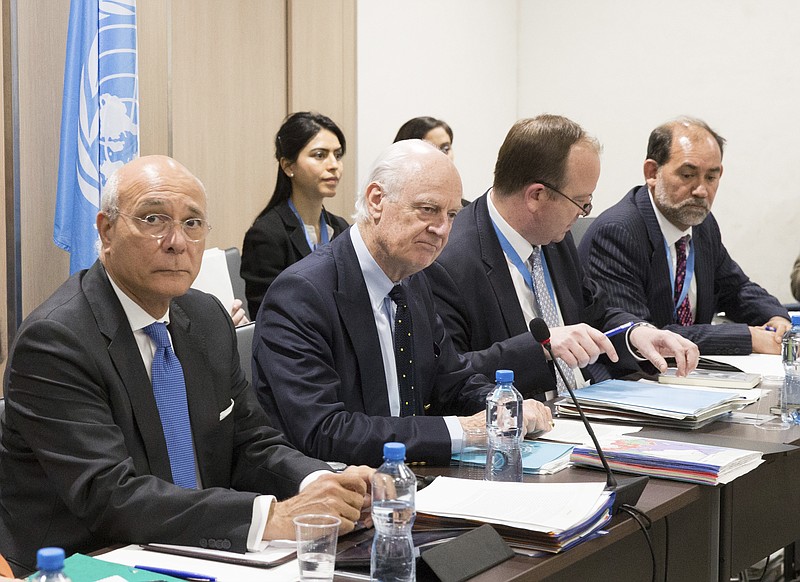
column 515, row 259
column 323, row 228
column 687, row 282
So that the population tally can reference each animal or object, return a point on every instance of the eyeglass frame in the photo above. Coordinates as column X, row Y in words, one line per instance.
column 173, row 222
column 586, row 209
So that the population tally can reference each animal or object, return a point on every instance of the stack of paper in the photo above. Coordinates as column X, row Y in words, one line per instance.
column 550, row 517
column 696, row 463
column 656, row 404
column 711, row 379
column 538, row 458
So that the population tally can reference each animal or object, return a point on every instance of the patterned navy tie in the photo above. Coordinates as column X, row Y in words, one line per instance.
column 169, row 388
column 548, row 312
column 404, row 352
column 684, row 311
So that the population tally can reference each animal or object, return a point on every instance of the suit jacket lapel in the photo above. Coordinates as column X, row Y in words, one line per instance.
column 497, row 270
column 704, row 274
column 297, row 233
column 353, row 303
column 661, row 300
column 124, row 353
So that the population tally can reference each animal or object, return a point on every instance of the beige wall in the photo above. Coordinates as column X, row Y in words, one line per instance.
column 216, row 80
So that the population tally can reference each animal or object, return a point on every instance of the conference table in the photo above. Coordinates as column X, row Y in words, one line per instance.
column 698, row 532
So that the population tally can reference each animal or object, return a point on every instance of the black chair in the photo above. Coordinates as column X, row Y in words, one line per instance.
column 580, row 227
column 234, row 259
column 2, row 413
column 244, row 339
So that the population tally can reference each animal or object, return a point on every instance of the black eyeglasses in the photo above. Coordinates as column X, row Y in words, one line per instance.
column 585, row 208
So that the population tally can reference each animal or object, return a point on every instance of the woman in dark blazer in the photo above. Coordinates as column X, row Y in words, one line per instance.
column 309, row 148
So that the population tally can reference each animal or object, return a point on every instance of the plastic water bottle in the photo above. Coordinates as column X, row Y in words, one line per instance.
column 790, row 393
column 504, row 430
column 394, row 487
column 50, row 562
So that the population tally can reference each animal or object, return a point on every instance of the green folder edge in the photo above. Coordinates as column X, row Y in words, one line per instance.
column 81, row 568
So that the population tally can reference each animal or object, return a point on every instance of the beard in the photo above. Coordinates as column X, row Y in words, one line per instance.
column 689, row 212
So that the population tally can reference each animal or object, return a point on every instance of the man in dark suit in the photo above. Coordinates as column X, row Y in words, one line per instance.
column 84, row 461
column 658, row 252
column 485, row 281
column 324, row 358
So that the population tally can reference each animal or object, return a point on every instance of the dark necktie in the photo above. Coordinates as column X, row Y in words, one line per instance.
column 404, row 352
column 684, row 311
column 169, row 389
column 547, row 311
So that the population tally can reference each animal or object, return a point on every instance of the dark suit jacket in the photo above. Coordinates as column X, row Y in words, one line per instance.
column 275, row 241
column 475, row 298
column 623, row 250
column 318, row 371
column 83, row 461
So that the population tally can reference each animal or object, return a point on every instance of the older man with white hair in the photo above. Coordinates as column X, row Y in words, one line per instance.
column 349, row 352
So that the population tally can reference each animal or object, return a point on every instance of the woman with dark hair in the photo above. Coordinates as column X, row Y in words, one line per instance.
column 430, row 129
column 309, row 149
column 434, row 131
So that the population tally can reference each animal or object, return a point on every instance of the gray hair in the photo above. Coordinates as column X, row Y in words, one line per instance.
column 392, row 170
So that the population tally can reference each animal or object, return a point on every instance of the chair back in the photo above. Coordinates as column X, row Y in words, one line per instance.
column 234, row 259
column 244, row 339
column 580, row 227
column 2, row 414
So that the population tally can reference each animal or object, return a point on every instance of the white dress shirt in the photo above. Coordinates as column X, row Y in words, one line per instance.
column 378, row 288
column 138, row 319
column 672, row 234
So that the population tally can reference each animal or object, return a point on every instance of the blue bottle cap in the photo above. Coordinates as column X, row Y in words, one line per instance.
column 50, row 559
column 504, row 376
column 394, row 451
column 796, row 320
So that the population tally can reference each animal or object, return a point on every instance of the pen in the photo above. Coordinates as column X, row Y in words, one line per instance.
column 770, row 328
column 178, row 574
column 619, row 329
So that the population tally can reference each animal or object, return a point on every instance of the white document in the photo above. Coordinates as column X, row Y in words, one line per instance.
column 544, row 507
column 573, row 431
column 214, row 277
column 769, row 366
column 133, row 555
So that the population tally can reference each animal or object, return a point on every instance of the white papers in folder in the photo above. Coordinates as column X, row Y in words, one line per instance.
column 477, row 500
column 574, row 431
column 214, row 277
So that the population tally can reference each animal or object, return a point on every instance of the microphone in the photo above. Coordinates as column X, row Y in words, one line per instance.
column 630, row 489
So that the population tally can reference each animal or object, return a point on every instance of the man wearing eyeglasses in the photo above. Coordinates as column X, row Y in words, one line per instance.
column 128, row 418
column 511, row 258
column 658, row 252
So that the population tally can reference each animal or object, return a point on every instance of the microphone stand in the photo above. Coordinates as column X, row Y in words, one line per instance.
column 628, row 490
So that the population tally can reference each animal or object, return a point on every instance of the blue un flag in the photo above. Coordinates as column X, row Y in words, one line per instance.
column 99, row 118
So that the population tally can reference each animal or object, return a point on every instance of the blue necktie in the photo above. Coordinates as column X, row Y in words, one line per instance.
column 169, row 389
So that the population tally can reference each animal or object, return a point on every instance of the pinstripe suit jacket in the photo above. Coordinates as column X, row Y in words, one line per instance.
column 475, row 298
column 623, row 250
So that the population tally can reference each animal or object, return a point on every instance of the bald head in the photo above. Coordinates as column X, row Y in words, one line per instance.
column 152, row 228
column 142, row 170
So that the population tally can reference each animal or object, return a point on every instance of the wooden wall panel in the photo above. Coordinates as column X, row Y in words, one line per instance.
column 42, row 41
column 322, row 77
column 153, row 31
column 214, row 86
column 228, row 99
